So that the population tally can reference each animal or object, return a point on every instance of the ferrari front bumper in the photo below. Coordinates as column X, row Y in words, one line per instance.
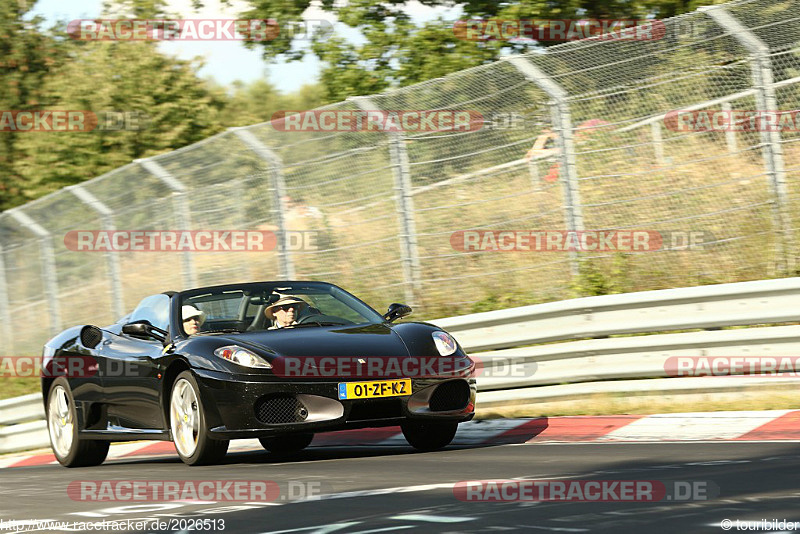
column 253, row 406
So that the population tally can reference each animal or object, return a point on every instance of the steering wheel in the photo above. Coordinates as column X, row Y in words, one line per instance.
column 323, row 318
column 309, row 318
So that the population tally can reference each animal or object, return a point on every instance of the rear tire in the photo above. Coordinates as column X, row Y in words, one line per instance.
column 429, row 436
column 287, row 444
column 70, row 450
column 188, row 427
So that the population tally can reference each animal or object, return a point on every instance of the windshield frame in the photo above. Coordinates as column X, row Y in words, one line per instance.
column 326, row 287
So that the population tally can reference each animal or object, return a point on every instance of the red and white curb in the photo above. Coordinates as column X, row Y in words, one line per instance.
column 771, row 425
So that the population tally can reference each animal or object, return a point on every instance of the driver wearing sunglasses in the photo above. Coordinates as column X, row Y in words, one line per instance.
column 284, row 311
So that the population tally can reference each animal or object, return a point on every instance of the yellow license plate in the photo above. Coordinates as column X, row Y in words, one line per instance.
column 371, row 390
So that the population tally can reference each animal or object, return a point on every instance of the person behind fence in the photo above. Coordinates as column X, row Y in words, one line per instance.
column 193, row 319
column 284, row 311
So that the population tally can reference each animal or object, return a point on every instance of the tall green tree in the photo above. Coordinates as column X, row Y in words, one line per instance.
column 28, row 55
column 255, row 102
column 396, row 52
column 177, row 107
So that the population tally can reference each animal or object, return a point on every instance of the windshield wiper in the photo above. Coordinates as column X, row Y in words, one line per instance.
column 221, row 331
column 315, row 323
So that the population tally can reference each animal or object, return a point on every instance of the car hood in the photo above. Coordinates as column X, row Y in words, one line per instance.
column 356, row 340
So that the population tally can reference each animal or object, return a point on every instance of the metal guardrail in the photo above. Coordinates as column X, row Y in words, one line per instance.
column 527, row 367
column 523, row 365
column 738, row 304
column 627, row 358
column 21, row 409
column 27, row 429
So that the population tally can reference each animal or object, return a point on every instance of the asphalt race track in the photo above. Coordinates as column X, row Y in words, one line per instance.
column 387, row 489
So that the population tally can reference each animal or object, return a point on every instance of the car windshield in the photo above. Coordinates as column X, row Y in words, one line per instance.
column 241, row 308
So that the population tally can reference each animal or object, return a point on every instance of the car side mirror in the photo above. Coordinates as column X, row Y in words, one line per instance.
column 144, row 329
column 396, row 311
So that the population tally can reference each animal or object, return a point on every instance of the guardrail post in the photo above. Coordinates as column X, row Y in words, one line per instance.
column 5, row 314
column 49, row 277
column 112, row 257
column 562, row 124
column 409, row 254
column 182, row 212
column 761, row 68
column 278, row 193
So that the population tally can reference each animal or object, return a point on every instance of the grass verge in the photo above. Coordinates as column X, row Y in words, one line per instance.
column 14, row 386
column 608, row 404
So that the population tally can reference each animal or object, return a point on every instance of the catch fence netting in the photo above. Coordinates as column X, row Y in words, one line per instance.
column 578, row 138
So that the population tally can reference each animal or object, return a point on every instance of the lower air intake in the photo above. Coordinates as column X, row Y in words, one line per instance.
column 280, row 409
column 453, row 395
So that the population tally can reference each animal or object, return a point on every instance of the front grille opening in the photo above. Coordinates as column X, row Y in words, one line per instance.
column 377, row 409
column 280, row 409
column 453, row 395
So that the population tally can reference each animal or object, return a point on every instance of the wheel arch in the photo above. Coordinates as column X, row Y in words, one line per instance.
column 175, row 368
column 47, row 384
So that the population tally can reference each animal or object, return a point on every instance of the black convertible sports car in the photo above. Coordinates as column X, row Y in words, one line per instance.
column 277, row 361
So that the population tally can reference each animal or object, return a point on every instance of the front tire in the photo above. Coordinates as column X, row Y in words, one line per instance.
column 429, row 436
column 70, row 450
column 187, row 423
column 287, row 444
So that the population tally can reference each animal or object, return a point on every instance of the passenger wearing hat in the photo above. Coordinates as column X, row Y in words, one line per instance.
column 284, row 311
column 192, row 319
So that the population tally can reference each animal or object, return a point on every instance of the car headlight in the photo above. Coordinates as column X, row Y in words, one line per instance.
column 242, row 356
column 445, row 343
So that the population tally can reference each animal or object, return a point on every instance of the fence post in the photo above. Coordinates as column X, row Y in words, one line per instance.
column 533, row 172
column 278, row 193
column 49, row 277
column 238, row 191
column 398, row 156
column 761, row 68
column 730, row 134
column 658, row 142
column 562, row 124
column 112, row 257
column 181, row 212
column 5, row 313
